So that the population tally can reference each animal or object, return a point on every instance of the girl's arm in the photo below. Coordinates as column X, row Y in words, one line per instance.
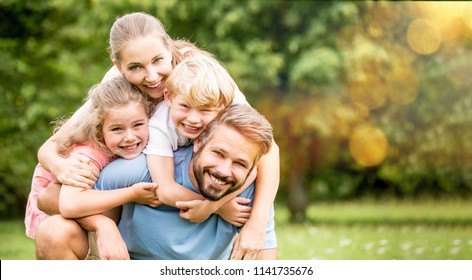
column 76, row 202
column 251, row 238
column 169, row 192
column 74, row 170
column 111, row 245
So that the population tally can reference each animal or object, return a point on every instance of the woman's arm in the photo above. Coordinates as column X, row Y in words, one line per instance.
column 74, row 170
column 48, row 199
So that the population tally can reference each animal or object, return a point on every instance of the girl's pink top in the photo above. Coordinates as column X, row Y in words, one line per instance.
column 42, row 178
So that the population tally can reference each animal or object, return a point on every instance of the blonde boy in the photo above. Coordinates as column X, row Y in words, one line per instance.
column 196, row 91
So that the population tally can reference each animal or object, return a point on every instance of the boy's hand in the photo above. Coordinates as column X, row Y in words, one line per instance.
column 195, row 211
column 235, row 212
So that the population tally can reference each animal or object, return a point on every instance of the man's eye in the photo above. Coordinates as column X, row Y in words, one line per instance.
column 241, row 164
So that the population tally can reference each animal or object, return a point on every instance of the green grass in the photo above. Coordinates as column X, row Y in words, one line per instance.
column 366, row 230
column 369, row 230
column 14, row 245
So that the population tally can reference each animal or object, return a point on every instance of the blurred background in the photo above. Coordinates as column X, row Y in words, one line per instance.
column 369, row 100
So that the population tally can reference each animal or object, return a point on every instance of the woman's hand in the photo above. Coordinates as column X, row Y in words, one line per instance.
column 248, row 243
column 76, row 171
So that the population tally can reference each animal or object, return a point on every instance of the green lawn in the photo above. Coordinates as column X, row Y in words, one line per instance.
column 423, row 230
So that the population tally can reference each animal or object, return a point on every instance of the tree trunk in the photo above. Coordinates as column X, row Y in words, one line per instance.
column 297, row 195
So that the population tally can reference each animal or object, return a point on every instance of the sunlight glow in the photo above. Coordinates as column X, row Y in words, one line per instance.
column 423, row 36
column 368, row 146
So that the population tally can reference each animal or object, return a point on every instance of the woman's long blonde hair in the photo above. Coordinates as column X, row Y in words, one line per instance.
column 138, row 25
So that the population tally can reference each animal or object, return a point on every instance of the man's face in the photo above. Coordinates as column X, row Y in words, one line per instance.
column 224, row 163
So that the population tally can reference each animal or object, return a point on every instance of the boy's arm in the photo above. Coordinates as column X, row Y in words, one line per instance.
column 251, row 238
column 161, row 169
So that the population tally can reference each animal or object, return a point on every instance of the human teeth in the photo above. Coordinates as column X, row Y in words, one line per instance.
column 219, row 182
column 130, row 147
column 191, row 127
column 154, row 86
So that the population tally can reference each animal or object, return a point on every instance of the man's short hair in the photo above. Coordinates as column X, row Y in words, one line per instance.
column 245, row 120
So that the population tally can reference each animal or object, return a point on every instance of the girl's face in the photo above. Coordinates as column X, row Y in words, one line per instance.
column 189, row 121
column 146, row 63
column 125, row 130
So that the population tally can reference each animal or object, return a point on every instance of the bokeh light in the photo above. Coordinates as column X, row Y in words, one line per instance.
column 368, row 146
column 370, row 91
column 402, row 85
column 423, row 36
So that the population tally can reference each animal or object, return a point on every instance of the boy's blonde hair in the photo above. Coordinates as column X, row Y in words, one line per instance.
column 203, row 81
column 113, row 94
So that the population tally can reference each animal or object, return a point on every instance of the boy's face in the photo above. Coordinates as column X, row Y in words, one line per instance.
column 189, row 121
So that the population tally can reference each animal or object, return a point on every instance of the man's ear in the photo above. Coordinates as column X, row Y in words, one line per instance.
column 196, row 145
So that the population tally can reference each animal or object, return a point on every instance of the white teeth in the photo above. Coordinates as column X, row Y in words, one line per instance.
column 130, row 147
column 219, row 182
column 191, row 127
column 154, row 86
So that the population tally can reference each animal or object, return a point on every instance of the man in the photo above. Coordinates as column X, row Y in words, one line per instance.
column 218, row 163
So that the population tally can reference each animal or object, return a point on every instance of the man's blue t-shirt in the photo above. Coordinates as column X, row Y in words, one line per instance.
column 160, row 233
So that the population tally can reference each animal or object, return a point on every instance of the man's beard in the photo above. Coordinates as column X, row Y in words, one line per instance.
column 207, row 190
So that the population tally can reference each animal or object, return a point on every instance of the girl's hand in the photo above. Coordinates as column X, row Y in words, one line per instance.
column 235, row 212
column 248, row 243
column 195, row 211
column 145, row 193
column 76, row 171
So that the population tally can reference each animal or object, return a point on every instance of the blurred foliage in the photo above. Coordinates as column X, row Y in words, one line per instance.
column 366, row 98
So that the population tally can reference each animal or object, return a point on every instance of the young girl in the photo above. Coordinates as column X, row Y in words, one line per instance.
column 144, row 53
column 116, row 125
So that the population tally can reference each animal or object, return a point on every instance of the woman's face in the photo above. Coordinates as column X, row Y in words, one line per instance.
column 146, row 63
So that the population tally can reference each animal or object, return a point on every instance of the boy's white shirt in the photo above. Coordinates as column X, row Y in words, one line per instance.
column 164, row 138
